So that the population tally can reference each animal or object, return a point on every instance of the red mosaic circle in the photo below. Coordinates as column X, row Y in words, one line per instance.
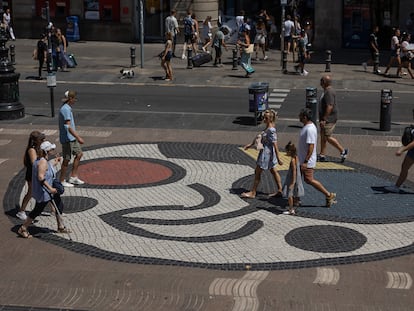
column 123, row 172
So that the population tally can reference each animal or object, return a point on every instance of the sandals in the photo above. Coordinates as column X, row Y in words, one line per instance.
column 63, row 230
column 24, row 233
column 290, row 211
column 247, row 195
column 278, row 194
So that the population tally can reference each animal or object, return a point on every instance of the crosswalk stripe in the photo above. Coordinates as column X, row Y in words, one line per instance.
column 275, row 100
column 275, row 106
column 4, row 142
column 278, row 94
column 399, row 280
column 281, row 90
column 328, row 276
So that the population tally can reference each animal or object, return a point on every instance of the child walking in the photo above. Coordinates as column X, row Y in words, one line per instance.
column 293, row 186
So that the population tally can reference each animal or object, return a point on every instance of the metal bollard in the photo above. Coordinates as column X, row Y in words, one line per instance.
column 284, row 62
column 132, row 52
column 312, row 102
column 328, row 60
column 376, row 63
column 385, row 113
column 12, row 54
column 189, row 58
column 235, row 59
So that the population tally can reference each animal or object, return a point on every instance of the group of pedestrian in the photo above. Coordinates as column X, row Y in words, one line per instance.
column 302, row 161
column 303, row 157
column 402, row 53
column 41, row 164
column 59, row 57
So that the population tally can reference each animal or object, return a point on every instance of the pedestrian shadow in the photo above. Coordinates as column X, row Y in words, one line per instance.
column 245, row 120
column 34, row 78
column 242, row 76
column 157, row 78
column 383, row 190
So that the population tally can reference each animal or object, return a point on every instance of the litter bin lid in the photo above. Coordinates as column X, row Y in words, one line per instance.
column 258, row 85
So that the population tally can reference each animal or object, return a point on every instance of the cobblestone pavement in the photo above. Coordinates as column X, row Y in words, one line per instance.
column 160, row 225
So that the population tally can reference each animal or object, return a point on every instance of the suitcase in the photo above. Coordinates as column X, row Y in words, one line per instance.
column 70, row 60
column 249, row 69
column 202, row 58
column 72, row 57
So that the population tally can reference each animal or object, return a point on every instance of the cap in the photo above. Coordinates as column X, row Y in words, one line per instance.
column 68, row 94
column 47, row 146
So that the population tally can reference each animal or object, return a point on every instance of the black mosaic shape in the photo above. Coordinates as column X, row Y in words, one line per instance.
column 76, row 204
column 205, row 152
column 210, row 199
column 325, row 239
column 178, row 173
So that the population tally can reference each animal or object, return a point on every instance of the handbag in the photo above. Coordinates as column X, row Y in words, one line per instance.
column 249, row 50
column 58, row 186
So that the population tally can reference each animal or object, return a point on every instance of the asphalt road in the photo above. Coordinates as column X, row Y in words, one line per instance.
column 106, row 104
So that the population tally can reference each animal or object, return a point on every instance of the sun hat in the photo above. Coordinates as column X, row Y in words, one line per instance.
column 47, row 146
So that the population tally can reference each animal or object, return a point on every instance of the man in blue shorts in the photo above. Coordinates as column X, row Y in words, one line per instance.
column 70, row 140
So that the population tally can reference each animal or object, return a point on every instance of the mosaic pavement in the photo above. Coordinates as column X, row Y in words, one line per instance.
column 179, row 204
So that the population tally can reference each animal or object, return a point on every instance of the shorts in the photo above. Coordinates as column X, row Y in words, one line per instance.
column 307, row 174
column 410, row 153
column 288, row 39
column 218, row 51
column 328, row 129
column 301, row 58
column 168, row 56
column 189, row 38
column 70, row 148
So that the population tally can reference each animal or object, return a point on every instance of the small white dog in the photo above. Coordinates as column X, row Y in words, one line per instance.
column 127, row 73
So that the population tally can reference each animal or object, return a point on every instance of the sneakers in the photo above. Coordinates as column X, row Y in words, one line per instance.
column 365, row 66
column 66, row 184
column 322, row 158
column 76, row 180
column 393, row 189
column 304, row 73
column 331, row 199
column 183, row 57
column 344, row 154
column 265, row 58
column 21, row 215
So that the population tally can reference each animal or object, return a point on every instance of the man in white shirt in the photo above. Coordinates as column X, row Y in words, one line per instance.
column 171, row 25
column 308, row 140
column 289, row 27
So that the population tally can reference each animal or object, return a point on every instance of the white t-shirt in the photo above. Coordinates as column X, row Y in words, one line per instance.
column 289, row 25
column 308, row 135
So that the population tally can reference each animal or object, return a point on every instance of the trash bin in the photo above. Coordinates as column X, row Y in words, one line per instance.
column 312, row 102
column 258, row 97
column 385, row 113
column 72, row 28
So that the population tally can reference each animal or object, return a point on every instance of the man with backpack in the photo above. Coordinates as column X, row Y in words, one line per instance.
column 189, row 30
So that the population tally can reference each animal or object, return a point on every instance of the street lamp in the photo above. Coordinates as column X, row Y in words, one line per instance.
column 283, row 3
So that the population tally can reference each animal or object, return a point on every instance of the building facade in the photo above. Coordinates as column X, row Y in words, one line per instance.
column 335, row 23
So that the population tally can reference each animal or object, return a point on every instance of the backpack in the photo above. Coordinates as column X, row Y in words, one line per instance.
column 408, row 135
column 188, row 26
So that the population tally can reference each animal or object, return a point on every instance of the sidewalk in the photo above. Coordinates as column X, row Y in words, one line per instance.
column 102, row 62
